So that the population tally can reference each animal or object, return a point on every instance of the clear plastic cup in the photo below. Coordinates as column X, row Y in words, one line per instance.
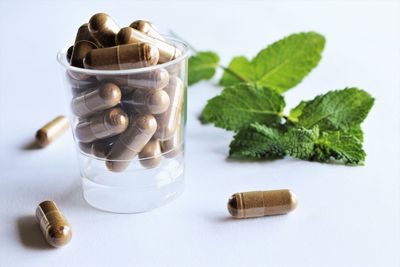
column 141, row 181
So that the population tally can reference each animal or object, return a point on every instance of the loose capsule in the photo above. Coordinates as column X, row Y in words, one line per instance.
column 148, row 102
column 261, row 203
column 109, row 123
column 53, row 224
column 173, row 146
column 51, row 131
column 150, row 155
column 84, row 42
column 167, row 121
column 147, row 28
column 103, row 28
column 149, row 80
column 131, row 142
column 106, row 96
column 129, row 35
column 122, row 57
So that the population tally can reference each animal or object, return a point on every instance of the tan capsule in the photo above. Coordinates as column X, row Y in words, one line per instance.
column 122, row 57
column 148, row 102
column 261, row 203
column 167, row 121
column 129, row 35
column 173, row 146
column 150, row 155
column 69, row 53
column 149, row 80
column 84, row 42
column 53, row 224
column 103, row 28
column 51, row 131
column 103, row 125
column 147, row 28
column 106, row 96
column 79, row 86
column 98, row 148
column 86, row 148
column 131, row 142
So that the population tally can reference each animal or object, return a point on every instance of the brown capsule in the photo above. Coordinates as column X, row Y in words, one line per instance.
column 69, row 53
column 103, row 28
column 79, row 86
column 129, row 35
column 98, row 148
column 86, row 148
column 167, row 121
column 173, row 146
column 106, row 96
column 122, row 57
column 53, row 224
column 147, row 28
column 131, row 142
column 51, row 131
column 148, row 102
column 103, row 125
column 150, row 80
column 150, row 156
column 84, row 42
column 261, row 203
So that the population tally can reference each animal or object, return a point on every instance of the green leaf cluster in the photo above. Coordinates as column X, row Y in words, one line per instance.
column 324, row 129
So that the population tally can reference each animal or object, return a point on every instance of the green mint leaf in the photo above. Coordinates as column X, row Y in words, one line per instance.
column 202, row 66
column 240, row 105
column 280, row 66
column 340, row 146
column 299, row 142
column 340, row 109
column 297, row 111
column 257, row 141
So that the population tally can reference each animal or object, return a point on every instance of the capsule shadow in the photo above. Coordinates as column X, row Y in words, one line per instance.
column 31, row 145
column 30, row 234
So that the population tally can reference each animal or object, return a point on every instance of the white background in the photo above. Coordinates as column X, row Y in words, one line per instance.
column 347, row 216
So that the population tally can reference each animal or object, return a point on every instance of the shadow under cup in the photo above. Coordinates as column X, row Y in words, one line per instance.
column 129, row 132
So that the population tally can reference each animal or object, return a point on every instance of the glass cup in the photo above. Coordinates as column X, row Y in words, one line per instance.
column 129, row 132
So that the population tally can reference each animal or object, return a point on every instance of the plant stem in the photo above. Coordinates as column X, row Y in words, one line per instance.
column 228, row 70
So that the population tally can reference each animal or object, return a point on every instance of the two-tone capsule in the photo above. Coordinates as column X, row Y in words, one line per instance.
column 51, row 131
column 128, row 35
column 148, row 101
column 103, row 125
column 261, row 203
column 131, row 142
column 104, row 29
column 53, row 224
column 106, row 96
column 122, row 57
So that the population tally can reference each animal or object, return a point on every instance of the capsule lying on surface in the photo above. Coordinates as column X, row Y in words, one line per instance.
column 147, row 28
column 131, row 142
column 104, row 29
column 261, row 203
column 53, row 224
column 109, row 123
column 122, row 57
column 148, row 101
column 129, row 35
column 51, row 131
column 106, row 96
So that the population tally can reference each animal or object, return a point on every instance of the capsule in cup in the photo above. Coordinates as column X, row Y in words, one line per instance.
column 148, row 101
column 150, row 155
column 104, row 29
column 147, row 28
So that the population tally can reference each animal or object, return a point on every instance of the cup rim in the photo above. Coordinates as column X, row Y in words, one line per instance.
column 62, row 60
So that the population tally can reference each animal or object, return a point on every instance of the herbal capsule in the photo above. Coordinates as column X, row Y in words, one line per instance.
column 149, row 80
column 106, row 96
column 129, row 35
column 173, row 146
column 85, row 147
column 261, row 203
column 104, row 29
column 109, row 123
column 51, row 131
column 79, row 86
column 167, row 121
column 53, row 224
column 122, row 57
column 147, row 28
column 150, row 156
column 84, row 42
column 131, row 142
column 69, row 53
column 148, row 102
column 98, row 148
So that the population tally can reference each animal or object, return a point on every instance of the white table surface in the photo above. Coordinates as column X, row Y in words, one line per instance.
column 347, row 216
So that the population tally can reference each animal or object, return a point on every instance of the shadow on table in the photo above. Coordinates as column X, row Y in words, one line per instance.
column 30, row 234
column 31, row 145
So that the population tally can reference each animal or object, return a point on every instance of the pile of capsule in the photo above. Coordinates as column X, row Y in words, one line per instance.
column 123, row 116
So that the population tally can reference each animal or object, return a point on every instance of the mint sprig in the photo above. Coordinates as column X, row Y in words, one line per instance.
column 325, row 129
